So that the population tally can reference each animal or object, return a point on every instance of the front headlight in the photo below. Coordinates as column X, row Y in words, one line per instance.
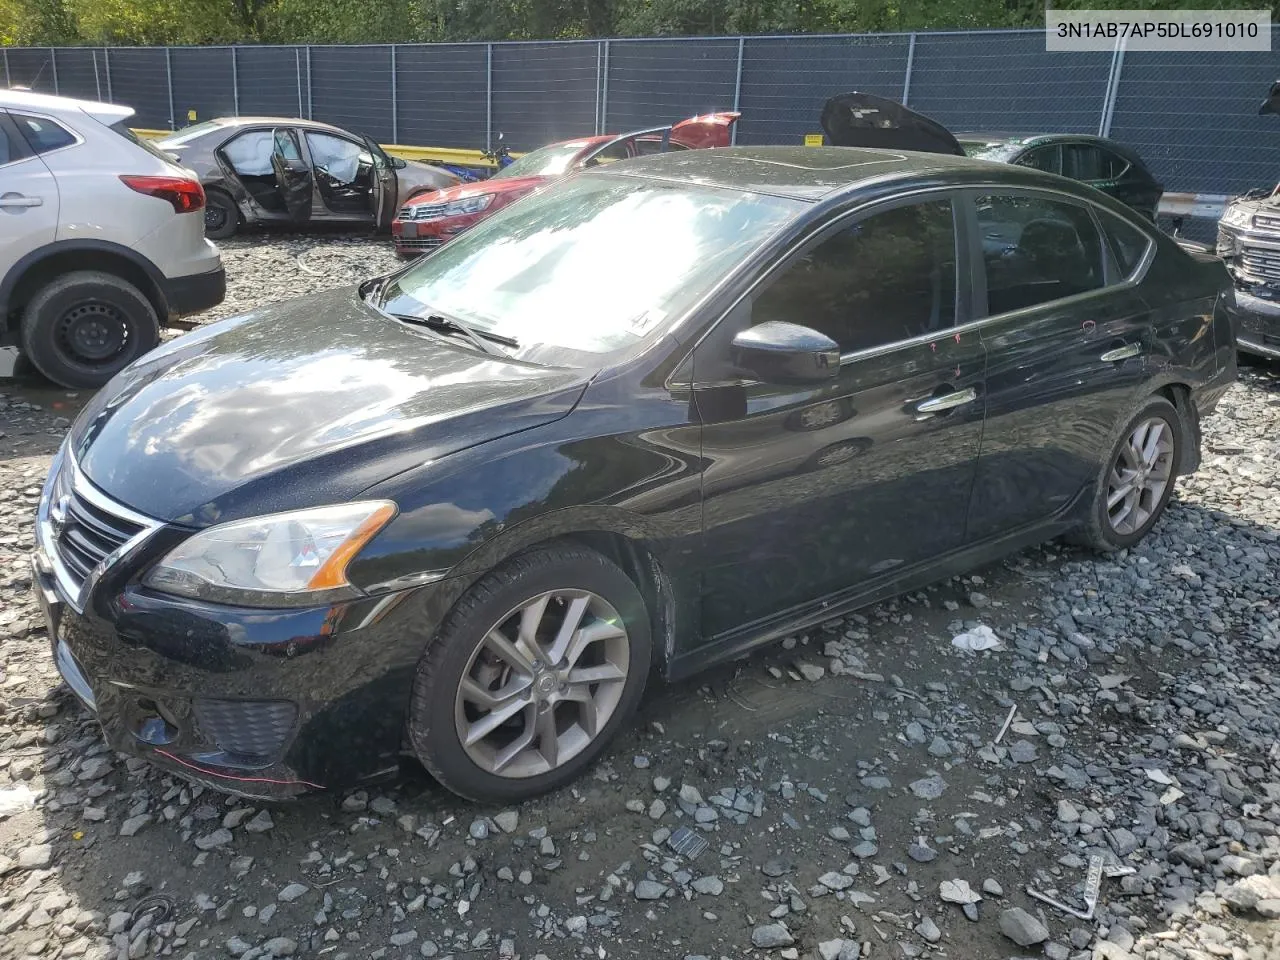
column 468, row 205
column 280, row 560
column 1237, row 217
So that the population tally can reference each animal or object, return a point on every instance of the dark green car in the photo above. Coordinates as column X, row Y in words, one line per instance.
column 1104, row 164
column 865, row 120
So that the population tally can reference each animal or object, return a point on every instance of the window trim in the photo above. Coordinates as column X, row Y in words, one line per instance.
column 1109, row 266
column 1144, row 261
column 75, row 134
column 21, row 150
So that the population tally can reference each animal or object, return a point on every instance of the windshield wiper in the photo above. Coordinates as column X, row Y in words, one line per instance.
column 436, row 321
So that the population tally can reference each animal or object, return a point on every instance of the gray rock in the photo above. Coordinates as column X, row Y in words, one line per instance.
column 865, row 849
column 928, row 788
column 836, row 881
column 921, row 852
column 132, row 825
column 280, row 947
column 292, row 892
column 479, row 829
column 1022, row 751
column 35, row 857
column 1022, row 928
column 929, row 930
column 771, row 936
column 990, row 886
column 939, row 748
column 776, row 867
column 507, row 821
column 236, row 817
column 212, row 841
column 711, row 886
column 650, row 890
column 812, row 672
column 260, row 823
column 404, row 938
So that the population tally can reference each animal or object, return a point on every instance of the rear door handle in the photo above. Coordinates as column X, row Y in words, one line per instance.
column 947, row 401
column 1122, row 353
column 18, row 200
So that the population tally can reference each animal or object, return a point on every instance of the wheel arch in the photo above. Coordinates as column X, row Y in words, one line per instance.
column 38, row 267
column 1179, row 394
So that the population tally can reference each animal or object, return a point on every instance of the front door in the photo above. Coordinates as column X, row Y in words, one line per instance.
column 293, row 174
column 386, row 189
column 28, row 194
column 812, row 491
column 1066, row 347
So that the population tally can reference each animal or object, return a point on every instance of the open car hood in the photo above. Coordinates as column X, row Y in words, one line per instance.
column 865, row 120
column 1272, row 103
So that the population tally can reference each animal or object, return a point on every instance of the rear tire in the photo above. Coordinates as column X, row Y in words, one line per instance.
column 84, row 327
column 1137, row 479
column 507, row 702
column 221, row 216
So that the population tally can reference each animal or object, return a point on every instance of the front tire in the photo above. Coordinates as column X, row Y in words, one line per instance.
column 531, row 674
column 1137, row 478
column 84, row 327
column 221, row 216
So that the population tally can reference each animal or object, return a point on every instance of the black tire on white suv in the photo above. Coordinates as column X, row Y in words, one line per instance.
column 82, row 328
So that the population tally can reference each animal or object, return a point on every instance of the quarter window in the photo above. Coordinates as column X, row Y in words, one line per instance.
column 42, row 134
column 889, row 277
column 1036, row 250
column 1128, row 243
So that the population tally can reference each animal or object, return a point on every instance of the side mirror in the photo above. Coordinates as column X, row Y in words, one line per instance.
column 398, row 163
column 777, row 352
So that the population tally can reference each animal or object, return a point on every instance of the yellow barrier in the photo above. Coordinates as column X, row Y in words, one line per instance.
column 466, row 158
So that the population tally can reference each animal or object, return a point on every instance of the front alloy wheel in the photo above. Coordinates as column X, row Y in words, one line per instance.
column 530, row 675
column 543, row 682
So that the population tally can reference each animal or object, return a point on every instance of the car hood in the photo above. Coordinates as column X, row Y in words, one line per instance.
column 415, row 176
column 308, row 402
column 516, row 185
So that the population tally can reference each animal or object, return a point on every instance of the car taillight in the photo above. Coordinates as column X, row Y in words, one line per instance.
column 184, row 195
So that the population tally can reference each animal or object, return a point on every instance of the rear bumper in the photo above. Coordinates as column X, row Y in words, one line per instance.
column 1257, row 322
column 195, row 292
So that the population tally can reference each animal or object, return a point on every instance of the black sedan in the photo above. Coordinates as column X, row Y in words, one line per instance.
column 648, row 418
column 865, row 120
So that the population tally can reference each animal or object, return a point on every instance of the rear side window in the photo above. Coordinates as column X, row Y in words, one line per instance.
column 1042, row 158
column 43, row 134
column 1083, row 161
column 887, row 278
column 1036, row 250
column 1128, row 243
column 120, row 128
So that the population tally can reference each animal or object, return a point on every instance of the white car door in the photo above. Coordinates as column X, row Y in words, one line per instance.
column 28, row 197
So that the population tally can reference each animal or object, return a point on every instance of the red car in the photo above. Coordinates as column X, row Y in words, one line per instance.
column 429, row 219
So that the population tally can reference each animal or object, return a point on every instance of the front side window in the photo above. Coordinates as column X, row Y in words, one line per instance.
column 337, row 157
column 591, row 265
column 43, row 135
column 1036, row 250
column 887, row 278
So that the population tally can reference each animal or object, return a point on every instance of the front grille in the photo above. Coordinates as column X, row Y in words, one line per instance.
column 1263, row 221
column 84, row 527
column 1259, row 264
column 419, row 243
column 429, row 211
column 248, row 729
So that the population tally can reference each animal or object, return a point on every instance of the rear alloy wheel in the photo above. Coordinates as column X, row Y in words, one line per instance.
column 1138, row 478
column 532, row 673
column 84, row 327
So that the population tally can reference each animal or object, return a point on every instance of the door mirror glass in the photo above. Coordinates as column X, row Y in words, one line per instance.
column 780, row 352
column 398, row 163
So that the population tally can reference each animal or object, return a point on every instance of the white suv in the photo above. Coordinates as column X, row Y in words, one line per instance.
column 101, row 238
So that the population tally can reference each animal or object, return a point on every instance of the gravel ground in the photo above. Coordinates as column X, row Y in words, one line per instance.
column 849, row 782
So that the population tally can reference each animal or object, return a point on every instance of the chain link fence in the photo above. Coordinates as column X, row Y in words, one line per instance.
column 1192, row 116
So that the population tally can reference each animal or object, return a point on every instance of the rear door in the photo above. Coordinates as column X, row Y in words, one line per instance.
column 293, row 173
column 1067, row 340
column 28, row 194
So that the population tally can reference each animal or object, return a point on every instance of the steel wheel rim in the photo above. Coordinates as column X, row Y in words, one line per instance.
column 215, row 215
column 542, row 683
column 93, row 333
column 1140, row 475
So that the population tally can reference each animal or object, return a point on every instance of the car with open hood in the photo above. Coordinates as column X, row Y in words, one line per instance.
column 865, row 120
column 644, row 420
column 430, row 218
column 289, row 171
column 1249, row 242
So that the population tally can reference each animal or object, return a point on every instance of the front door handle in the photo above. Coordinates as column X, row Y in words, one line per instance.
column 1122, row 353
column 18, row 200
column 947, row 401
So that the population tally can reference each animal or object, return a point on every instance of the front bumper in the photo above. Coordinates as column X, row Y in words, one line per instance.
column 262, row 703
column 423, row 236
column 1257, row 325
column 195, row 292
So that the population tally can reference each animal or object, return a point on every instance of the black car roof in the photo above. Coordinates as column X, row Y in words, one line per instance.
column 1034, row 139
column 812, row 173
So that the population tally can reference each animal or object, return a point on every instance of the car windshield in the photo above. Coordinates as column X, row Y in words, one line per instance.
column 187, row 134
column 590, row 266
column 1000, row 151
column 546, row 162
